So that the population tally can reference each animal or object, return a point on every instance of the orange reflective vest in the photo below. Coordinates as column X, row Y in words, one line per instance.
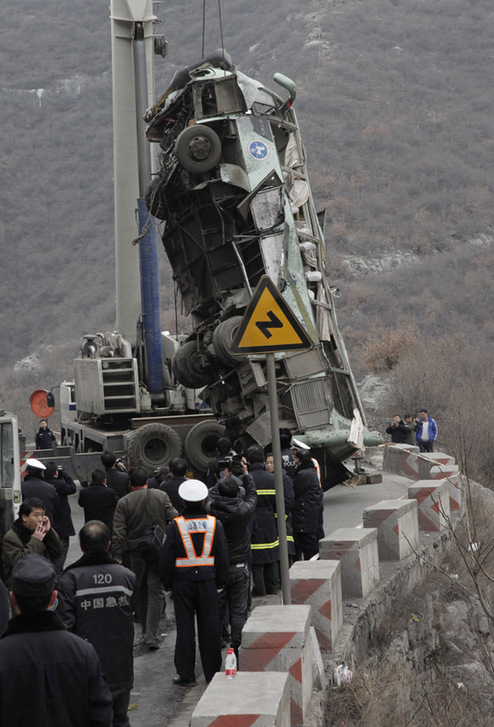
column 186, row 528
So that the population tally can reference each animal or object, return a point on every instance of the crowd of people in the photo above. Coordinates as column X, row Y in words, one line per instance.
column 211, row 546
column 418, row 430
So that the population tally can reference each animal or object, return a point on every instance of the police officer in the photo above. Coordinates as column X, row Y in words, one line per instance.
column 34, row 485
column 194, row 564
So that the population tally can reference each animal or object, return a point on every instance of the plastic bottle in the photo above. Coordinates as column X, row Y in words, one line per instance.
column 230, row 664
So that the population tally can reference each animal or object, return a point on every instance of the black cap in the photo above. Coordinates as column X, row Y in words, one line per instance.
column 33, row 575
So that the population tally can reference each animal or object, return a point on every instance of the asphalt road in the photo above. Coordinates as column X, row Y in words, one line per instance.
column 155, row 701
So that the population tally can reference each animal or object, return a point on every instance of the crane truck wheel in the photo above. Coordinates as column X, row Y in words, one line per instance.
column 222, row 340
column 153, row 445
column 198, row 148
column 200, row 444
column 188, row 368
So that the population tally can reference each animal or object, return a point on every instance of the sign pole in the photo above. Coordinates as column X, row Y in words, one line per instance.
column 278, row 477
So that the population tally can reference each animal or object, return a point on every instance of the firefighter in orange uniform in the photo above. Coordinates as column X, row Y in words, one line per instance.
column 194, row 565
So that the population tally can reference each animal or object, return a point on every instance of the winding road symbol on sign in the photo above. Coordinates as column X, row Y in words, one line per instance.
column 273, row 322
column 268, row 324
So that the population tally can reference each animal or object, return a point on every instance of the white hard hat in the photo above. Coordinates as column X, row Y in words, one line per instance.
column 35, row 463
column 297, row 444
column 193, row 491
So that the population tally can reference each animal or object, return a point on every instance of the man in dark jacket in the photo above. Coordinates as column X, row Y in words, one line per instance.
column 307, row 507
column 160, row 475
column 30, row 533
column 178, row 467
column 94, row 603
column 98, row 500
column 194, row 564
column 236, row 514
column 134, row 513
column 289, row 497
column 65, row 486
column 287, row 456
column 265, row 543
column 34, row 485
column 116, row 479
column 44, row 438
column 48, row 676
column 398, row 430
column 224, row 452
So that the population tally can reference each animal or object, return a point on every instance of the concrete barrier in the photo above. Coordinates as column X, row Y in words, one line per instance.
column 317, row 583
column 436, row 466
column 250, row 699
column 357, row 551
column 397, row 527
column 401, row 459
column 277, row 638
column 455, row 492
column 432, row 498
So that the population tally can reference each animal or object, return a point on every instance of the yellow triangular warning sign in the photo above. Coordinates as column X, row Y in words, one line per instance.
column 269, row 324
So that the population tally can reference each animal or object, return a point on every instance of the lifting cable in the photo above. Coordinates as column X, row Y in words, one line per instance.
column 204, row 28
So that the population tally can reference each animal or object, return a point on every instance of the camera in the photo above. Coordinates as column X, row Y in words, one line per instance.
column 235, row 466
column 60, row 469
column 223, row 464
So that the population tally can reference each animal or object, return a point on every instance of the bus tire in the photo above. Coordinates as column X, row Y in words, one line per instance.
column 198, row 148
column 188, row 368
column 223, row 336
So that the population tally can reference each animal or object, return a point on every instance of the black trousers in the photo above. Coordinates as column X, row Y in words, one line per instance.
column 426, row 445
column 196, row 599
column 235, row 596
column 266, row 578
column 306, row 545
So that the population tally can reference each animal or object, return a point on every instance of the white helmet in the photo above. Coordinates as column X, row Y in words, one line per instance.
column 193, row 491
column 298, row 444
column 35, row 464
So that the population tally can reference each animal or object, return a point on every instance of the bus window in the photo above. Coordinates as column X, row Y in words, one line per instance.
column 6, row 454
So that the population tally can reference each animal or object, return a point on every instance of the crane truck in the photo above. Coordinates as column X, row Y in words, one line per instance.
column 232, row 193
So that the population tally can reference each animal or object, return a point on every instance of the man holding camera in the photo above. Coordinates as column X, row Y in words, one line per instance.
column 398, row 430
column 64, row 485
column 236, row 513
column 426, row 431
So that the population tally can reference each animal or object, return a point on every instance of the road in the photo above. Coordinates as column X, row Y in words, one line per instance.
column 155, row 701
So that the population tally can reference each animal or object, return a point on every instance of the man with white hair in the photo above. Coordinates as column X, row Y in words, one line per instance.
column 194, row 565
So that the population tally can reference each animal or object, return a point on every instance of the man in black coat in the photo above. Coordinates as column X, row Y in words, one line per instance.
column 116, row 479
column 160, row 475
column 194, row 564
column 265, row 545
column 34, row 485
column 236, row 513
column 224, row 452
column 98, row 500
column 307, row 507
column 65, row 486
column 178, row 467
column 48, row 676
column 44, row 438
column 398, row 430
column 94, row 603
column 287, row 456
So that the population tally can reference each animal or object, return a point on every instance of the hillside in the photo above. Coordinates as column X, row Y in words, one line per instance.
column 395, row 113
